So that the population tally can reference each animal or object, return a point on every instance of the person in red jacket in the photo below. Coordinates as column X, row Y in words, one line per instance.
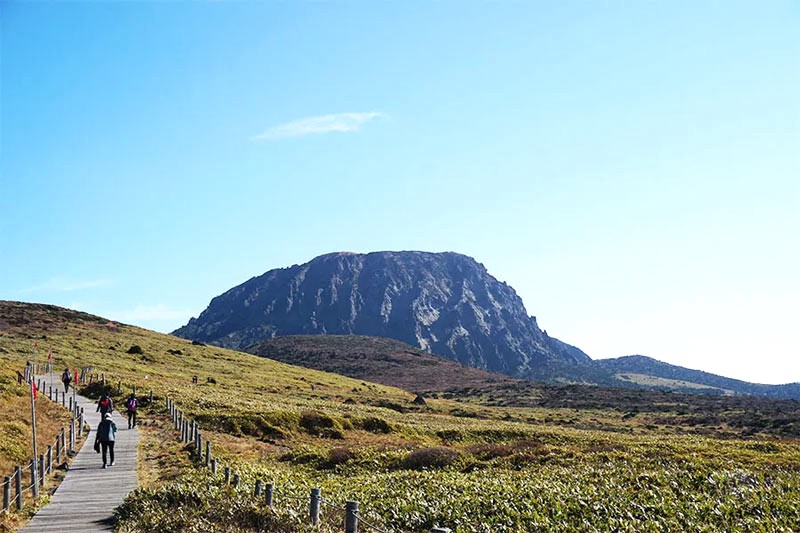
column 105, row 404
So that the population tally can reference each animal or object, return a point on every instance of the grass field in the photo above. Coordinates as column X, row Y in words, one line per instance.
column 465, row 461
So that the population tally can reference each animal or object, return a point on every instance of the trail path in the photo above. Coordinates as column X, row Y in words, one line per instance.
column 86, row 499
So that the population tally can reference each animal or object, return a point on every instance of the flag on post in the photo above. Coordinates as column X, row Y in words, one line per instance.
column 75, row 375
column 49, row 356
column 35, row 389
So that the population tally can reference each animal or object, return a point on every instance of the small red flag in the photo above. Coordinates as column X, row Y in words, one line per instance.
column 35, row 344
column 75, row 375
column 49, row 356
column 35, row 390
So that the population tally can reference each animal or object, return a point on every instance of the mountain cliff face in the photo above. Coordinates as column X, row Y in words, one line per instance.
column 444, row 303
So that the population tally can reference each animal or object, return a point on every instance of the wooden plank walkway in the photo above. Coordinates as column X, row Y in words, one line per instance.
column 86, row 499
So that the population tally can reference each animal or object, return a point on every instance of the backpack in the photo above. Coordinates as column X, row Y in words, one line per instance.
column 131, row 405
column 105, row 403
column 66, row 376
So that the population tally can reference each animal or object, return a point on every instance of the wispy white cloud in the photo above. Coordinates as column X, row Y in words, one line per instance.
column 64, row 285
column 339, row 122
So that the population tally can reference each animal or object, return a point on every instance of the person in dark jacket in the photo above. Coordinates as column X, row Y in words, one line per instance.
column 66, row 379
column 106, row 430
column 105, row 404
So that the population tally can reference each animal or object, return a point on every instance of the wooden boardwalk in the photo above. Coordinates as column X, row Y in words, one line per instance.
column 86, row 499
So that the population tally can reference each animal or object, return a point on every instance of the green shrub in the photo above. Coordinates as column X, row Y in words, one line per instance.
column 430, row 458
column 374, row 424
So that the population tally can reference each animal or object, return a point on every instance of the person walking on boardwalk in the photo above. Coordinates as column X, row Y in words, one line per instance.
column 66, row 379
column 130, row 405
column 106, row 430
column 105, row 404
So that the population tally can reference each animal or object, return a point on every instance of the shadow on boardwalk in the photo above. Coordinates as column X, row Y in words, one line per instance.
column 86, row 499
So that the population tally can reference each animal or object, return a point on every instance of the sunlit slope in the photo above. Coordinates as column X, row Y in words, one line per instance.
column 233, row 389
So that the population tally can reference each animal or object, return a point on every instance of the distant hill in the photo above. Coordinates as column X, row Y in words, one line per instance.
column 442, row 303
column 641, row 370
column 378, row 360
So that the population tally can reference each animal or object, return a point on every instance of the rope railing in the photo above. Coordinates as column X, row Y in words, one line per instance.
column 189, row 432
column 361, row 521
column 38, row 468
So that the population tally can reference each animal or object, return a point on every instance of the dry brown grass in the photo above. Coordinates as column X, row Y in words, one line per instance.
column 161, row 456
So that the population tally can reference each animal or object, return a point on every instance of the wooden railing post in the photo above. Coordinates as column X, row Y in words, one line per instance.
column 227, row 475
column 41, row 470
column 18, row 486
column 208, row 452
column 270, row 493
column 72, row 436
column 34, row 479
column 6, row 493
column 257, row 491
column 351, row 517
column 316, row 496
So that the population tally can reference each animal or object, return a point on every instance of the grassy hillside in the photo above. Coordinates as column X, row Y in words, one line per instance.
column 397, row 364
column 377, row 359
column 482, row 460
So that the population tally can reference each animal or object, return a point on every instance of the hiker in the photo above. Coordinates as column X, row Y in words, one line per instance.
column 131, row 404
column 105, row 438
column 66, row 379
column 105, row 405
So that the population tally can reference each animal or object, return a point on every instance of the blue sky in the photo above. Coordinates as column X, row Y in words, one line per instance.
column 630, row 168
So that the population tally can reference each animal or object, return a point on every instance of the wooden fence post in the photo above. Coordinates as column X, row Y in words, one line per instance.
column 316, row 496
column 213, row 466
column 236, row 481
column 72, row 436
column 18, row 486
column 350, row 517
column 257, row 491
column 49, row 469
column 58, row 449
column 270, row 493
column 6, row 493
column 41, row 470
column 34, row 480
column 208, row 452
column 227, row 475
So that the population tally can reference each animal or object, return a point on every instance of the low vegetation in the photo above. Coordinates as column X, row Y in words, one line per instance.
column 502, row 459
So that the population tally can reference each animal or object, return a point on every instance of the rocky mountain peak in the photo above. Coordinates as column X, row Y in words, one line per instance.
column 445, row 303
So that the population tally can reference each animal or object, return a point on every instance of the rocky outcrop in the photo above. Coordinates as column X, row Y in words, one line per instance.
column 444, row 303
